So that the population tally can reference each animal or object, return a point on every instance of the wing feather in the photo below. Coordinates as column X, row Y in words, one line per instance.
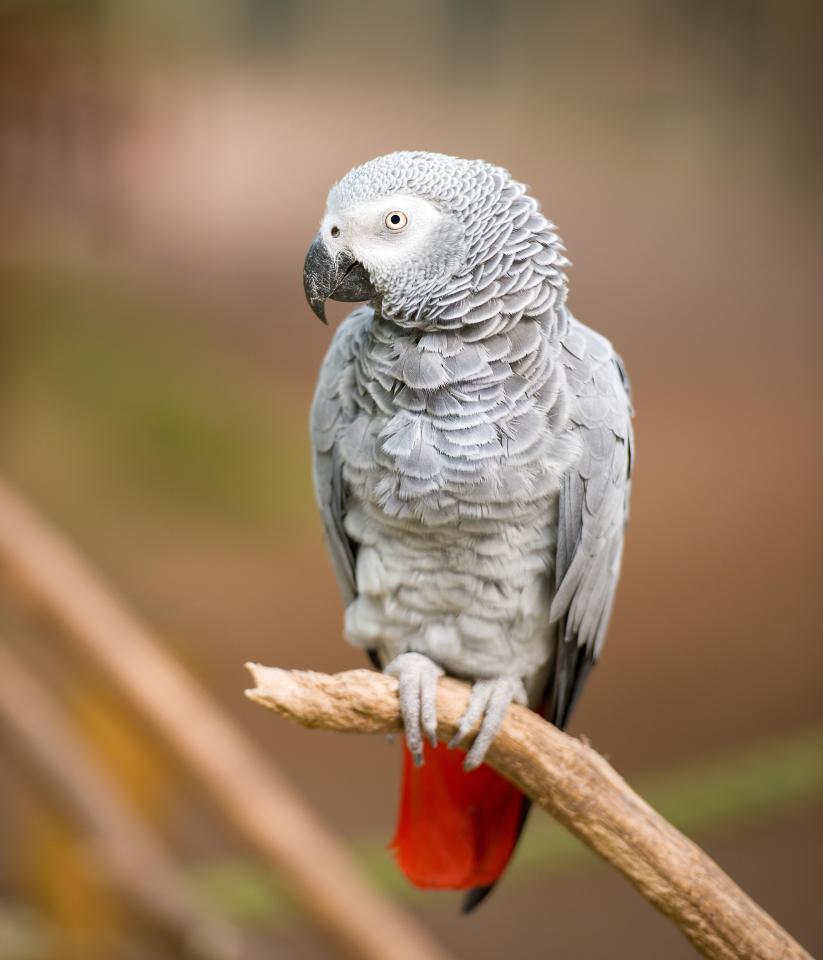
column 329, row 412
column 592, row 510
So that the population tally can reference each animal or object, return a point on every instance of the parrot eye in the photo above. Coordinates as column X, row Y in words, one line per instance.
column 396, row 220
column 335, row 231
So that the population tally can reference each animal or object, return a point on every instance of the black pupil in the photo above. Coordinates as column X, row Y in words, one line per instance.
column 395, row 218
column 335, row 231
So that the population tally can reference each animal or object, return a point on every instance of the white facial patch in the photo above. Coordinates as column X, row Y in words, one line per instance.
column 391, row 234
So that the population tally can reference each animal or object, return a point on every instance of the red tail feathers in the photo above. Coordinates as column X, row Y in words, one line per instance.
column 456, row 830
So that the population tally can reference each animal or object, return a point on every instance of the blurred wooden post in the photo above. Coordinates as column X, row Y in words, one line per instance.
column 129, row 852
column 254, row 797
column 575, row 785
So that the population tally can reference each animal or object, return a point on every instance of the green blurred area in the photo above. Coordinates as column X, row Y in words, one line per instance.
column 104, row 392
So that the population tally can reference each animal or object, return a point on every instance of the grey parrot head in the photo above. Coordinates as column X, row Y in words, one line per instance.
column 414, row 231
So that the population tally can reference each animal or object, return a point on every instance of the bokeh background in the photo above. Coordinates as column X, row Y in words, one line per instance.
column 163, row 167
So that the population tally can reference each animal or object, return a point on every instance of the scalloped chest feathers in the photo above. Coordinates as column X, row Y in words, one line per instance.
column 452, row 452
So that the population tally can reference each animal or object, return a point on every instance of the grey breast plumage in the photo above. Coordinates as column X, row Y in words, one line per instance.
column 592, row 503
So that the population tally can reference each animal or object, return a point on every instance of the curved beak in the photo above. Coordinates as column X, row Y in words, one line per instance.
column 338, row 277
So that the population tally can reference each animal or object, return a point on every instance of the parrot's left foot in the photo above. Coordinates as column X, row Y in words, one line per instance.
column 417, row 678
column 488, row 703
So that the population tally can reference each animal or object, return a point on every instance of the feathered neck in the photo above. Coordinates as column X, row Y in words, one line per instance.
column 515, row 267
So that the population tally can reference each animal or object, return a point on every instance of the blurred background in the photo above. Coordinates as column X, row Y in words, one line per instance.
column 163, row 167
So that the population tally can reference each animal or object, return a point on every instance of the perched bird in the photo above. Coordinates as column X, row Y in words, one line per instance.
column 472, row 450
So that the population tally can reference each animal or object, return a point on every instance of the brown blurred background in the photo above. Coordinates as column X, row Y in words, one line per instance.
column 163, row 167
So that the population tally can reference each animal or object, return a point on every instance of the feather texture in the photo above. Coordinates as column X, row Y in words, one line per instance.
column 472, row 446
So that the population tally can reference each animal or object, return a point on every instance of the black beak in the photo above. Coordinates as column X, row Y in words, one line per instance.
column 337, row 278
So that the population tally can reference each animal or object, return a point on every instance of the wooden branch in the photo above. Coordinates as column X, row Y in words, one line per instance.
column 571, row 782
column 240, row 779
column 129, row 852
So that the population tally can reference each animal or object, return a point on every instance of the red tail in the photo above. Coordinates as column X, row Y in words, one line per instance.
column 456, row 830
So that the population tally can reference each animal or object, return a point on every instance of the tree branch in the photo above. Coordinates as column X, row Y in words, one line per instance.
column 571, row 782
column 132, row 857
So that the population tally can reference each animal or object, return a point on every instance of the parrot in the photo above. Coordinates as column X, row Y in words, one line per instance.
column 472, row 452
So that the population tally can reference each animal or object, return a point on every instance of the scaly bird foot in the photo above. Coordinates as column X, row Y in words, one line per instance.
column 488, row 703
column 417, row 689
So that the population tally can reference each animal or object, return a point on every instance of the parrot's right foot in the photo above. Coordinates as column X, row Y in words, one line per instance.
column 488, row 704
column 417, row 678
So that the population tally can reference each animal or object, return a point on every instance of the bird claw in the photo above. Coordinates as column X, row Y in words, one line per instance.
column 417, row 678
column 488, row 703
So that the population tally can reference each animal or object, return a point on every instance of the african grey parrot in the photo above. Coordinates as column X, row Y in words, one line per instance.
column 472, row 451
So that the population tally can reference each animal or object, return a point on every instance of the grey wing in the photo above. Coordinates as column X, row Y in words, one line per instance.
column 592, row 511
column 330, row 408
